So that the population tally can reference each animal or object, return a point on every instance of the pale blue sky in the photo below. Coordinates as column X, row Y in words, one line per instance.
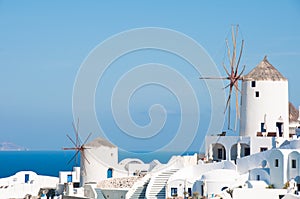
column 43, row 43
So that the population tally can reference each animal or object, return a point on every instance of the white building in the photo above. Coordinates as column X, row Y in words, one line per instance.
column 99, row 161
column 263, row 161
column 264, row 122
column 264, row 104
column 25, row 183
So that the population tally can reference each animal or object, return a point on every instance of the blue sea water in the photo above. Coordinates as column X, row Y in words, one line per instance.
column 51, row 162
column 41, row 162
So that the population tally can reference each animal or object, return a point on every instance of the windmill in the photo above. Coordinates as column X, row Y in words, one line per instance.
column 78, row 145
column 233, row 74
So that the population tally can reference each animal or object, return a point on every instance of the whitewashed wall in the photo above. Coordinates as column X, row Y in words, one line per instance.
column 272, row 102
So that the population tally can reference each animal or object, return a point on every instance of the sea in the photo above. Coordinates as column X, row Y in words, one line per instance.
column 51, row 162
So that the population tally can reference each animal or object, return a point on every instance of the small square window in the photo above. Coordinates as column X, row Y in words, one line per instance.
column 262, row 127
column 294, row 164
column 247, row 151
column 256, row 93
column 276, row 163
column 173, row 191
column 263, row 149
column 253, row 84
column 69, row 178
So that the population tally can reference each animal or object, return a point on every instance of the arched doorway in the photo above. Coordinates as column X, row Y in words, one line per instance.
column 219, row 152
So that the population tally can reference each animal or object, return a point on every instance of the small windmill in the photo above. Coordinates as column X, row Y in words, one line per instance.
column 233, row 75
column 78, row 145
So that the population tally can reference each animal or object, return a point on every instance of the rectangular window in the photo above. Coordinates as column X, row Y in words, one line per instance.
column 26, row 178
column 258, row 177
column 262, row 127
column 247, row 151
column 263, row 149
column 220, row 154
column 279, row 126
column 190, row 191
column 276, row 163
column 69, row 178
column 76, row 184
column 294, row 164
column 256, row 93
column 253, row 84
column 173, row 191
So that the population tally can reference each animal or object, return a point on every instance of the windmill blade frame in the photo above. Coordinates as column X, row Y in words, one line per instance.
column 78, row 145
column 74, row 157
column 233, row 75
column 72, row 140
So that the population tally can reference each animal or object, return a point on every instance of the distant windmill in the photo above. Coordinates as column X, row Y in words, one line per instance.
column 78, row 145
column 233, row 75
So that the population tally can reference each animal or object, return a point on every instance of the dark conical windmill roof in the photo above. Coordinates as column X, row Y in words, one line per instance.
column 293, row 113
column 265, row 71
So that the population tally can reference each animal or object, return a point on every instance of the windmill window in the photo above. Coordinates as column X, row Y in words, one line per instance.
column 256, row 93
column 253, row 84
column 26, row 178
column 109, row 173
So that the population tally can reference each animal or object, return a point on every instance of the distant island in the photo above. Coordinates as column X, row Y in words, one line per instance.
column 8, row 146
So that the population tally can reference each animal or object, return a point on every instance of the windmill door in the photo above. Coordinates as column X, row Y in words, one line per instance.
column 279, row 126
column 109, row 173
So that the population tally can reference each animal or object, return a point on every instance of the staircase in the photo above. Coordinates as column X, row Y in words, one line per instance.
column 138, row 191
column 157, row 185
column 99, row 194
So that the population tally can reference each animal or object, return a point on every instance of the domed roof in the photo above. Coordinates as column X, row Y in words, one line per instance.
column 264, row 71
column 292, row 144
column 98, row 142
column 293, row 113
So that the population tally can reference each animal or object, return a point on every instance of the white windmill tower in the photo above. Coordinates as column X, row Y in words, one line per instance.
column 264, row 103
column 80, row 148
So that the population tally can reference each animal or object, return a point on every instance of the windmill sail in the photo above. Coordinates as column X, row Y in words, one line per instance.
column 79, row 146
column 233, row 74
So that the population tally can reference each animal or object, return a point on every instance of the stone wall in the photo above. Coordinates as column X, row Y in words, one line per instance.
column 126, row 182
